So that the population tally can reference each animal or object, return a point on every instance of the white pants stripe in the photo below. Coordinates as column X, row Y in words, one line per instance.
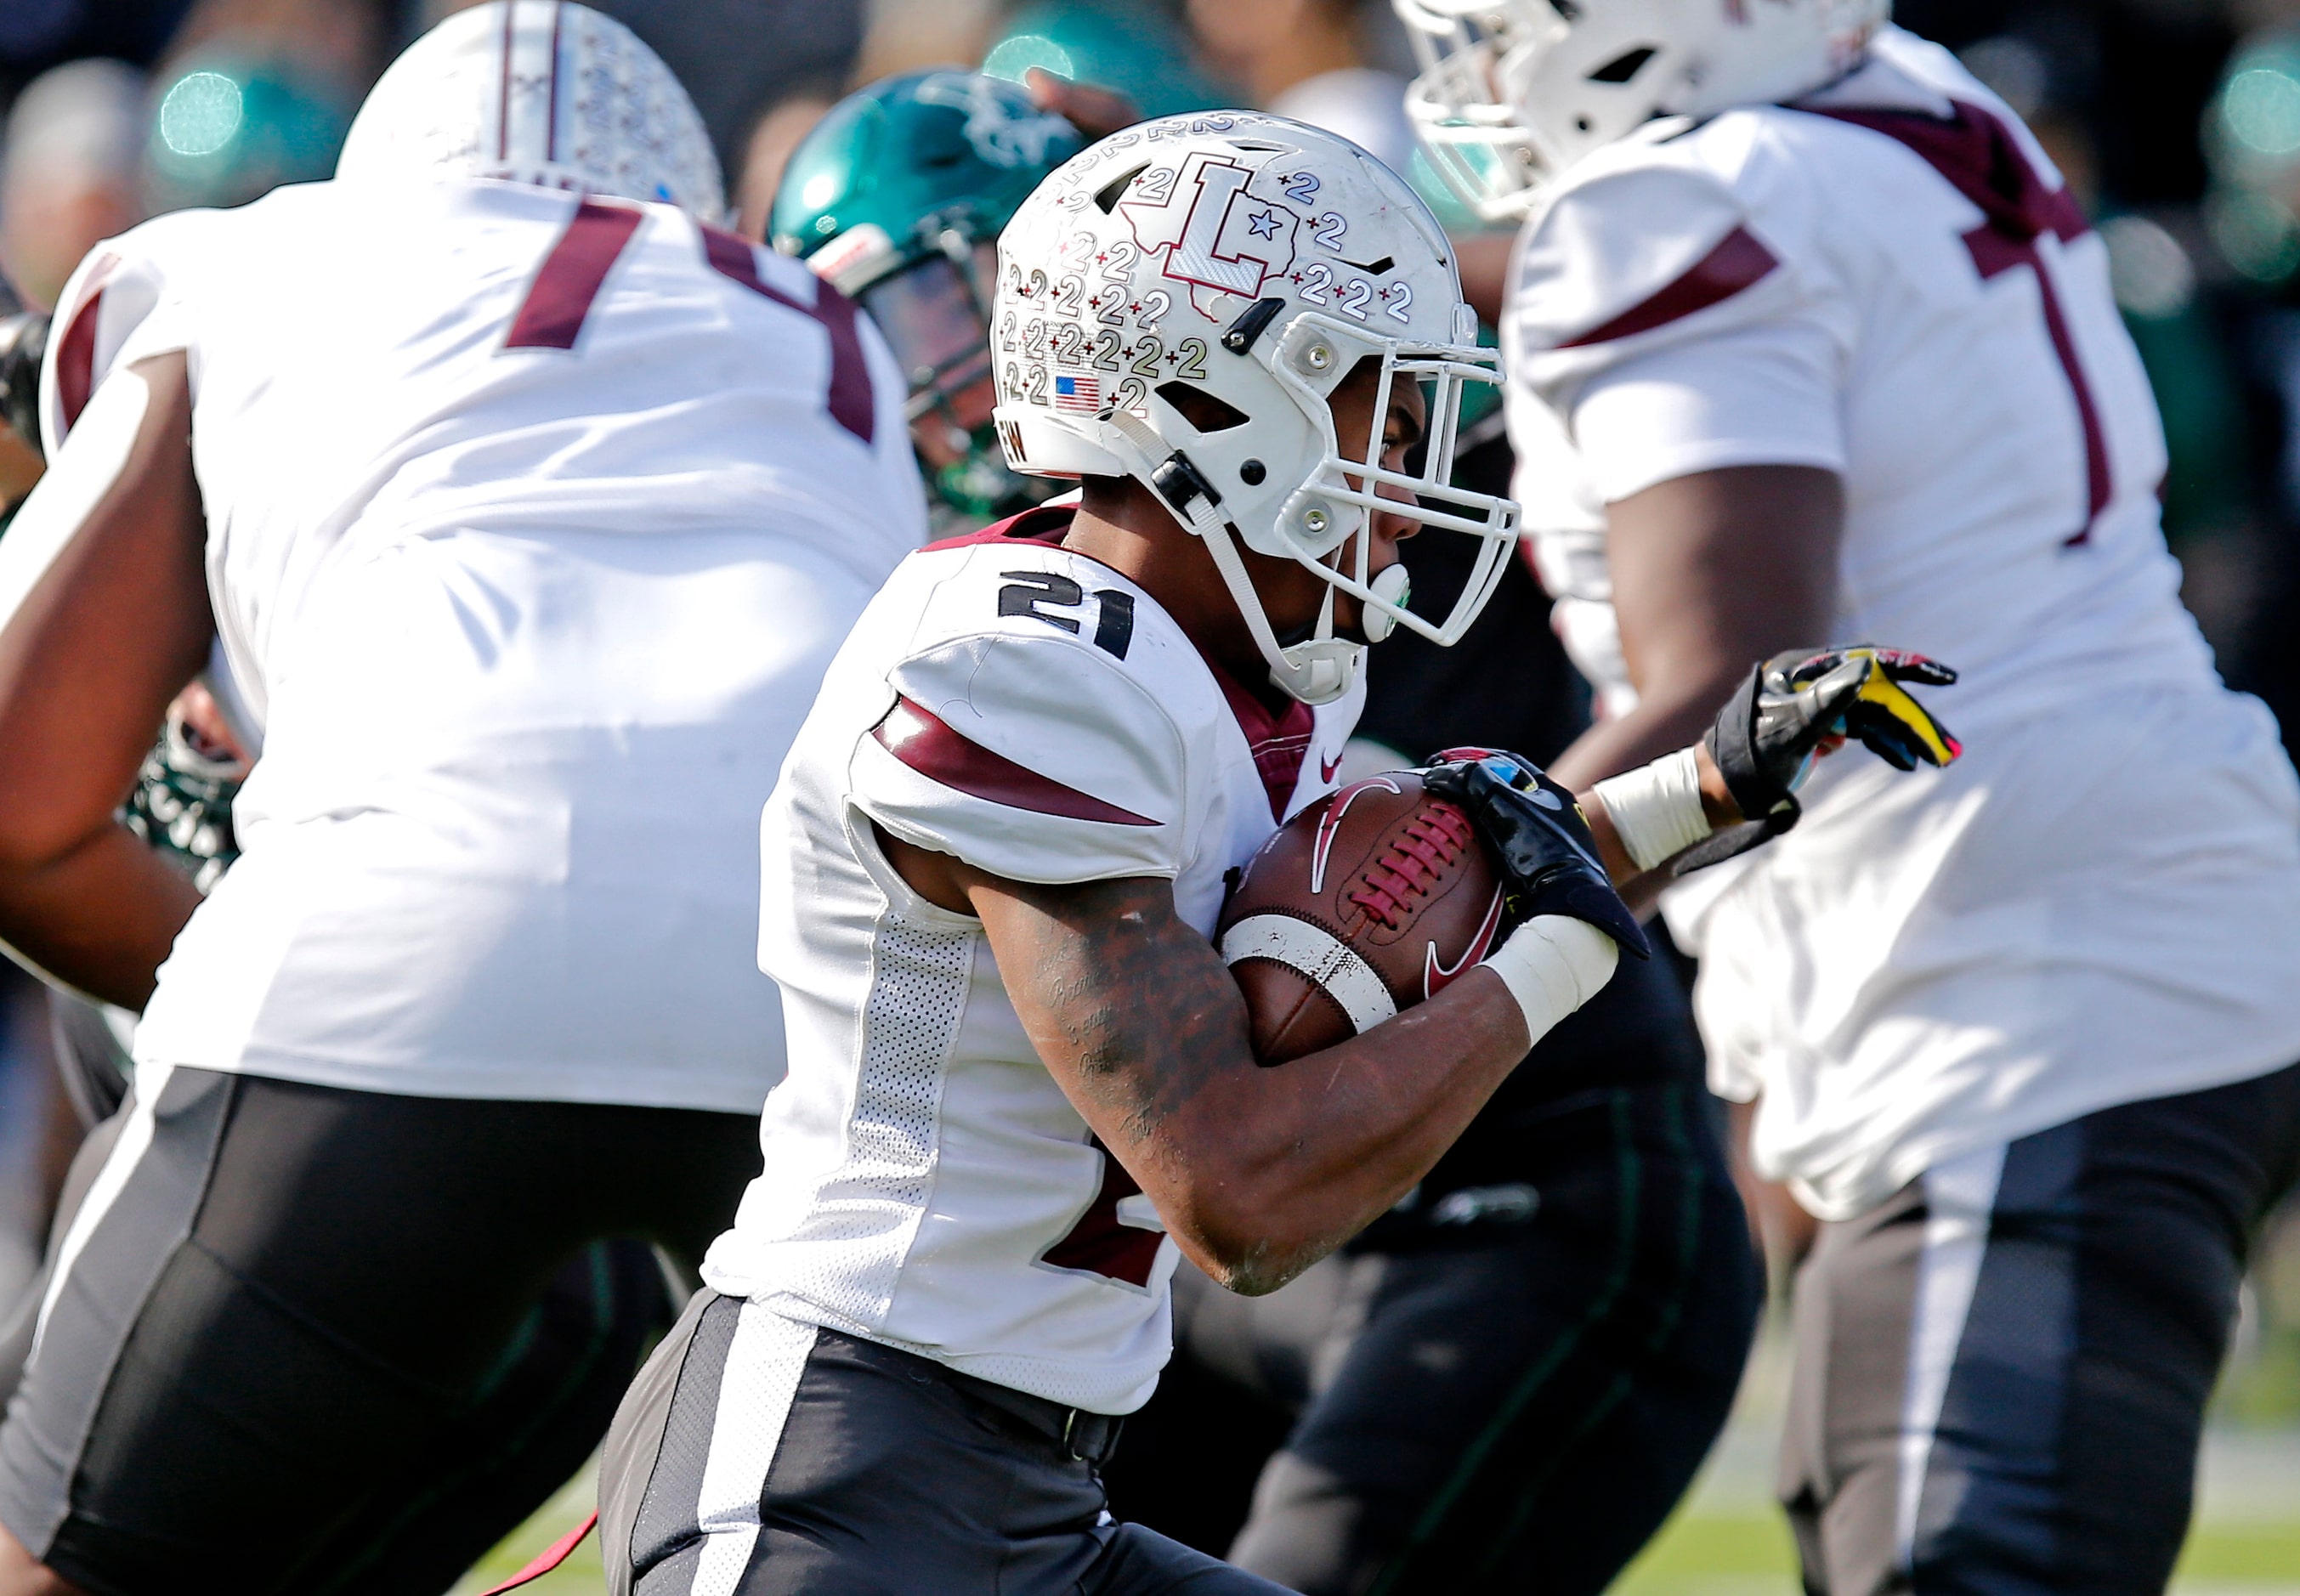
column 1959, row 1195
column 135, row 1141
column 765, row 1362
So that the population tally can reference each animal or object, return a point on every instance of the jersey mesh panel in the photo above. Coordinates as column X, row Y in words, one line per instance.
column 862, row 1225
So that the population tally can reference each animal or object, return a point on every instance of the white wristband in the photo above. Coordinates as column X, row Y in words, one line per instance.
column 1656, row 809
column 1552, row 964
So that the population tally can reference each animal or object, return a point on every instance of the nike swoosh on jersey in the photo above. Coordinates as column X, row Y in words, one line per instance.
column 1327, row 766
column 930, row 745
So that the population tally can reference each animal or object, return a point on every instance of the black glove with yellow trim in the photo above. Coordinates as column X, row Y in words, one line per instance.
column 1768, row 735
column 1535, row 832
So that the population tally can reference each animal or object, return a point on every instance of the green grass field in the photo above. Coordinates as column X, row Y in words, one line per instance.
column 1710, row 1554
column 1719, row 1544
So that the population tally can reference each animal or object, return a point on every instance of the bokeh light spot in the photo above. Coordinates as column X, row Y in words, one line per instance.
column 1013, row 58
column 201, row 114
column 2258, row 235
column 2262, row 110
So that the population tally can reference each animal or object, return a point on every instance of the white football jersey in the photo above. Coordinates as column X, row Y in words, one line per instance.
column 1890, row 282
column 1035, row 714
column 533, row 522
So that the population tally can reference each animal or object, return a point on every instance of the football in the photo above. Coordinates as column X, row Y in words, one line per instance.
column 1365, row 903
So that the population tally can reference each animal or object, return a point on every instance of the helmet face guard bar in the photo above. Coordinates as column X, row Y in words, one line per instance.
column 935, row 320
column 1337, row 507
column 1471, row 134
column 935, row 316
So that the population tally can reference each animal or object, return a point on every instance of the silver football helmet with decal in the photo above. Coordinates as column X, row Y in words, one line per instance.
column 537, row 91
column 1256, row 261
column 1513, row 90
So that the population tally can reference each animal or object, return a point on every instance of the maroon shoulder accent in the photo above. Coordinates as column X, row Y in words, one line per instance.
column 1045, row 524
column 850, row 402
column 569, row 280
column 1098, row 1244
column 76, row 358
column 1737, row 262
column 1279, row 743
column 920, row 738
column 76, row 351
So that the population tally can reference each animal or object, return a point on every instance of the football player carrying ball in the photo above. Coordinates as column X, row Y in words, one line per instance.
column 1021, row 1083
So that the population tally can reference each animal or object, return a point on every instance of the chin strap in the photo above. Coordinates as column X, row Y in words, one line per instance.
column 1194, row 502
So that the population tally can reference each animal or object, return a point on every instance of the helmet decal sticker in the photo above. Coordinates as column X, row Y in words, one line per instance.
column 1215, row 234
column 998, row 134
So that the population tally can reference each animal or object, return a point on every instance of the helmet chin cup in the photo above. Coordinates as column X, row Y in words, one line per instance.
column 1394, row 586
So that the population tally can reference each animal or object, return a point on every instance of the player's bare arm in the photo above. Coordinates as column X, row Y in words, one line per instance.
column 1257, row 1172
column 1710, row 572
column 104, row 594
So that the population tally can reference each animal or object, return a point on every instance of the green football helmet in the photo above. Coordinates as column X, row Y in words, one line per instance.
column 896, row 199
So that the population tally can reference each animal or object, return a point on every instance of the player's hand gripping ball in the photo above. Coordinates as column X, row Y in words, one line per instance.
column 1767, row 737
column 1380, row 896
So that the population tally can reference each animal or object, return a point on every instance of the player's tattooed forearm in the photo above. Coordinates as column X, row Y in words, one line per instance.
column 1138, row 999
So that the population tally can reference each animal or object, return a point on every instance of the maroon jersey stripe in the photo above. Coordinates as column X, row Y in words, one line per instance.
column 569, row 281
column 502, row 93
column 76, row 354
column 1738, row 262
column 1977, row 155
column 551, row 115
column 1278, row 742
column 920, row 738
column 850, row 401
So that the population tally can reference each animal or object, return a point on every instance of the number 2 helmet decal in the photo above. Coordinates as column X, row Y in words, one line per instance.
column 1176, row 304
column 537, row 91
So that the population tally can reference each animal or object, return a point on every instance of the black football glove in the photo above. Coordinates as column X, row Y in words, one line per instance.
column 1534, row 833
column 1766, row 739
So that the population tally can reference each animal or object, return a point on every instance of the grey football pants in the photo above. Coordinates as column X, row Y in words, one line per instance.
column 2001, row 1371
column 759, row 1457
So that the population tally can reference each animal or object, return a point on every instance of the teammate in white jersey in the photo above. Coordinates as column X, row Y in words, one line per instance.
column 1021, row 1083
column 524, row 510
column 1806, row 336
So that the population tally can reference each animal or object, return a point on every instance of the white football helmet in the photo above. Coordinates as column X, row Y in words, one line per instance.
column 537, row 91
column 1257, row 262
column 1511, row 91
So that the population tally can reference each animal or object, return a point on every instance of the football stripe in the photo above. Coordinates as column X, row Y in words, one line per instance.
column 1317, row 956
column 939, row 751
column 1738, row 262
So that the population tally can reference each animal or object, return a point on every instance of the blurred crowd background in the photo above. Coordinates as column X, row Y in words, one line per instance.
column 2176, row 121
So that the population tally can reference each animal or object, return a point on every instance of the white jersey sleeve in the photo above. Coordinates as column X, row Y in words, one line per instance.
column 1036, row 758
column 124, row 304
column 1666, row 334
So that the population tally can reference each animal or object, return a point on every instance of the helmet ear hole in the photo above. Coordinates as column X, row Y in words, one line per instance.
column 1623, row 66
column 1206, row 412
